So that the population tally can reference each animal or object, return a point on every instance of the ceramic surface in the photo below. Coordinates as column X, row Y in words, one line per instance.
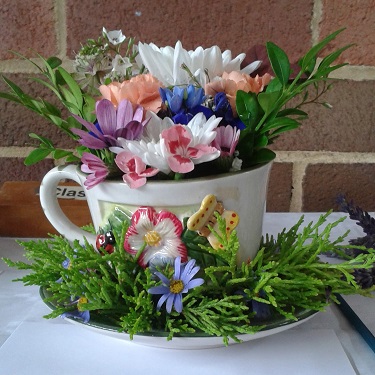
column 158, row 339
column 243, row 192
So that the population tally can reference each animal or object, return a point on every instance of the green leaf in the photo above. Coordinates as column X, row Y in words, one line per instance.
column 73, row 123
column 16, row 89
column 73, row 86
column 36, row 156
column 291, row 112
column 58, row 154
column 274, row 85
column 313, row 52
column 326, row 71
column 48, row 85
column 283, row 129
column 261, row 141
column 277, row 123
column 44, row 140
column 88, row 110
column 56, row 120
column 51, row 109
column 268, row 100
column 10, row 97
column 248, row 109
column 54, row 62
column 329, row 59
column 263, row 155
column 279, row 62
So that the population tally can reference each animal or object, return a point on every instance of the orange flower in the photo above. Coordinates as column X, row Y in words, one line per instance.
column 142, row 89
column 231, row 82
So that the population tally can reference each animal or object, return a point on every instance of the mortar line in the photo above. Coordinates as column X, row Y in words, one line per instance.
column 298, row 173
column 61, row 27
column 315, row 21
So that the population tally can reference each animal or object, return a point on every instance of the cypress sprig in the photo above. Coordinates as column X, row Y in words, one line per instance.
column 286, row 275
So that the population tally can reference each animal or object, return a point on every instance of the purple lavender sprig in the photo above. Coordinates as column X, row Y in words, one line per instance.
column 356, row 213
column 365, row 278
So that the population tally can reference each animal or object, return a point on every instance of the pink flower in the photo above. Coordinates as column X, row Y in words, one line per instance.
column 134, row 168
column 231, row 82
column 142, row 90
column 226, row 140
column 96, row 169
column 178, row 142
column 159, row 234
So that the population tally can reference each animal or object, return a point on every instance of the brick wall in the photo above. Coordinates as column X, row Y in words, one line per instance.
column 333, row 152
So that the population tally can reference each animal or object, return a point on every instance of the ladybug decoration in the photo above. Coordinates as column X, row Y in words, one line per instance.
column 105, row 242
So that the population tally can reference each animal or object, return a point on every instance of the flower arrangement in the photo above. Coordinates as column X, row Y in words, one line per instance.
column 144, row 112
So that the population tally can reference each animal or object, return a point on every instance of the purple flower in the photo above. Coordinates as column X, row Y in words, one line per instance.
column 96, row 169
column 181, row 282
column 111, row 124
column 226, row 140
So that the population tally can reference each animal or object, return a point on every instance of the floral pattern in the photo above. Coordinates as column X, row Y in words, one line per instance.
column 154, row 235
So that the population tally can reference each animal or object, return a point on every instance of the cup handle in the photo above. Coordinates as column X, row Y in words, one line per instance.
column 52, row 209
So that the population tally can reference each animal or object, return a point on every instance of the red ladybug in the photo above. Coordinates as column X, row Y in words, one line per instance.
column 106, row 242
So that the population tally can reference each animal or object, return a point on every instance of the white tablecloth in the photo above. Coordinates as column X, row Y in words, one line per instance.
column 30, row 344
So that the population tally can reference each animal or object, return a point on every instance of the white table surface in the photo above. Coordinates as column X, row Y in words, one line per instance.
column 30, row 344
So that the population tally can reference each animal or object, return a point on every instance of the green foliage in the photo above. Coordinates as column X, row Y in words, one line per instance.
column 61, row 83
column 271, row 113
column 287, row 275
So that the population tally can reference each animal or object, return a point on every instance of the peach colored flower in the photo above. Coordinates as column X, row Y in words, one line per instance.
column 142, row 90
column 231, row 82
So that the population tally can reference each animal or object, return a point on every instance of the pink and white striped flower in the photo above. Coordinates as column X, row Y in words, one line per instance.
column 134, row 168
column 183, row 154
column 155, row 235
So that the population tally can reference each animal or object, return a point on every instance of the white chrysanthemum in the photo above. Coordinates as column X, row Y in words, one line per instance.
column 155, row 126
column 203, row 130
column 152, row 153
column 165, row 63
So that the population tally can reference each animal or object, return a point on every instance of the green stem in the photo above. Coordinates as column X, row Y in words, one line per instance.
column 140, row 251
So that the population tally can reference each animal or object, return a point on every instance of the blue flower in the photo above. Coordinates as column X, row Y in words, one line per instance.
column 184, row 103
column 223, row 109
column 83, row 315
column 180, row 283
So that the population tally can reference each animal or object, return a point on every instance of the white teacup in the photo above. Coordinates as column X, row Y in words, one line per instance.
column 243, row 192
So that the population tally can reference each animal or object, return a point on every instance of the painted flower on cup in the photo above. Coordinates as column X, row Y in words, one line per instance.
column 154, row 234
column 173, row 289
column 79, row 312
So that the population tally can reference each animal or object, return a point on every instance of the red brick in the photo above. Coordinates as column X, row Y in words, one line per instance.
column 26, row 27
column 348, row 126
column 358, row 17
column 235, row 25
column 16, row 121
column 13, row 169
column 280, row 187
column 324, row 182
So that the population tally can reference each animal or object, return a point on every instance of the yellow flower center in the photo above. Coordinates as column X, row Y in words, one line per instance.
column 152, row 238
column 176, row 286
column 81, row 302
